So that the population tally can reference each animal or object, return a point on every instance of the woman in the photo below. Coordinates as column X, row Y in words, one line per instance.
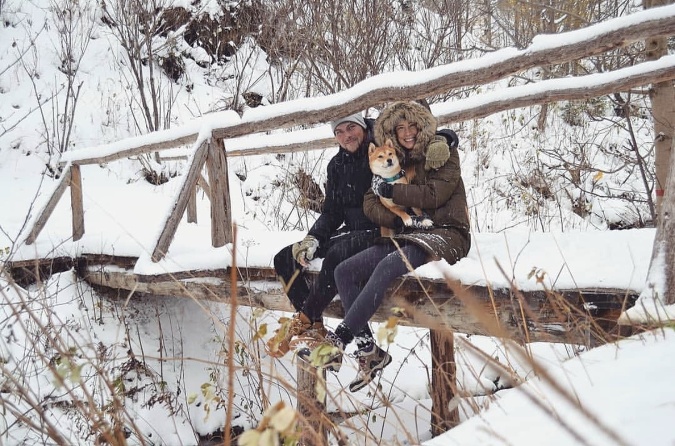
column 362, row 280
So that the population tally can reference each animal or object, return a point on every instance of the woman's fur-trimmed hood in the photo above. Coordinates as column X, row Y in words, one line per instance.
column 385, row 127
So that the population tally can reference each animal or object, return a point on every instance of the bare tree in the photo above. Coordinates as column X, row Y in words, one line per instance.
column 661, row 276
column 135, row 24
column 74, row 21
column 333, row 45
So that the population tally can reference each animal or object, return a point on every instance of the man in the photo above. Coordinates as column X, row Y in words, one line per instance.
column 341, row 231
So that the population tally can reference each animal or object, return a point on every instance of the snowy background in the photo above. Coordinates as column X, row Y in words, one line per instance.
column 63, row 342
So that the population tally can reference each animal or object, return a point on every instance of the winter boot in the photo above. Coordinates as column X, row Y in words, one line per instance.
column 325, row 354
column 372, row 359
column 279, row 344
column 313, row 336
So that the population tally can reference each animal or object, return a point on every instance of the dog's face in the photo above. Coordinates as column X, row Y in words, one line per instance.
column 383, row 160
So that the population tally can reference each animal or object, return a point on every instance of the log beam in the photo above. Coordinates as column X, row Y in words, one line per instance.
column 541, row 316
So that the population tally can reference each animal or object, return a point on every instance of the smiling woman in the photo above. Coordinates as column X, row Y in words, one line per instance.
column 406, row 133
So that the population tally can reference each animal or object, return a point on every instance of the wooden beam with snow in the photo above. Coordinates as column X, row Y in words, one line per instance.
column 561, row 316
column 174, row 217
column 586, row 42
column 47, row 210
column 590, row 41
column 486, row 104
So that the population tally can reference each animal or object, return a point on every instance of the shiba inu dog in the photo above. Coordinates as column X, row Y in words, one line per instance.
column 385, row 163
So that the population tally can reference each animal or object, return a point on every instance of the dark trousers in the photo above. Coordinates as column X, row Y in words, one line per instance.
column 363, row 279
column 313, row 296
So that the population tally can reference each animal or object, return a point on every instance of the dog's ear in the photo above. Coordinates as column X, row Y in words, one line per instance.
column 371, row 148
column 389, row 143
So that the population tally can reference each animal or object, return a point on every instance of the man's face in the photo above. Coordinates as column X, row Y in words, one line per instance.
column 350, row 136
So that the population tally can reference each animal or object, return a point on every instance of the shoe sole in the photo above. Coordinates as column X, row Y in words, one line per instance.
column 373, row 375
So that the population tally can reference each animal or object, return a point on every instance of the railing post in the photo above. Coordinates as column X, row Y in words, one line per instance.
column 77, row 207
column 221, row 217
column 189, row 181
column 47, row 210
column 192, row 206
column 443, row 381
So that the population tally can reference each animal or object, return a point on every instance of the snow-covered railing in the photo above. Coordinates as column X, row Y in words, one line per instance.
column 246, row 135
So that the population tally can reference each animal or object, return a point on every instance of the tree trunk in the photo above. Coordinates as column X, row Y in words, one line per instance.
column 661, row 275
column 662, row 96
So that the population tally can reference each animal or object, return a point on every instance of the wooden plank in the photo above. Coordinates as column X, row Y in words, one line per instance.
column 530, row 317
column 221, row 223
column 192, row 205
column 201, row 182
column 573, row 316
column 76, row 204
column 171, row 224
column 134, row 146
column 47, row 210
column 317, row 144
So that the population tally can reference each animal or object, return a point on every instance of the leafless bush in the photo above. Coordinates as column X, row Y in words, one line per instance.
column 75, row 22
column 82, row 391
column 325, row 47
column 135, row 24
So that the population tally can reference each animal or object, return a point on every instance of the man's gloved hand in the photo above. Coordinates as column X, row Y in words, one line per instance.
column 421, row 222
column 438, row 153
column 303, row 251
column 381, row 188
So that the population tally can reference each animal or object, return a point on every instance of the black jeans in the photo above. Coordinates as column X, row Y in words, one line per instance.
column 363, row 280
column 312, row 297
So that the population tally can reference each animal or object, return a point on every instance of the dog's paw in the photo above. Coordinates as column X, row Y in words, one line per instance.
column 419, row 222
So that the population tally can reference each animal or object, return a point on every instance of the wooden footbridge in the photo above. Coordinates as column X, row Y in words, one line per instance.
column 583, row 316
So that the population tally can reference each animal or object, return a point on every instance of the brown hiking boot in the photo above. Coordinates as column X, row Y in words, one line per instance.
column 312, row 336
column 278, row 345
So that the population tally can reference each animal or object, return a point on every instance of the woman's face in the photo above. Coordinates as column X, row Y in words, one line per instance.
column 406, row 134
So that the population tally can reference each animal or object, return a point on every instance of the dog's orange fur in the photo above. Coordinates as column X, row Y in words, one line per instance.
column 384, row 162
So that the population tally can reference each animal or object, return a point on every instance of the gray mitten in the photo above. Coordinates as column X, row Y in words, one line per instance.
column 438, row 153
column 375, row 184
column 304, row 250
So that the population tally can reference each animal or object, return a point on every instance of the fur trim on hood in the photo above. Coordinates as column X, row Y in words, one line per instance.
column 385, row 127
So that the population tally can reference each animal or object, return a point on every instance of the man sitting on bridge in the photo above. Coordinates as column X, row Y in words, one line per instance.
column 341, row 231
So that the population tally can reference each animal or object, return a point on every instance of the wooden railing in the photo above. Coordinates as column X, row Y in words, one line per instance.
column 208, row 134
